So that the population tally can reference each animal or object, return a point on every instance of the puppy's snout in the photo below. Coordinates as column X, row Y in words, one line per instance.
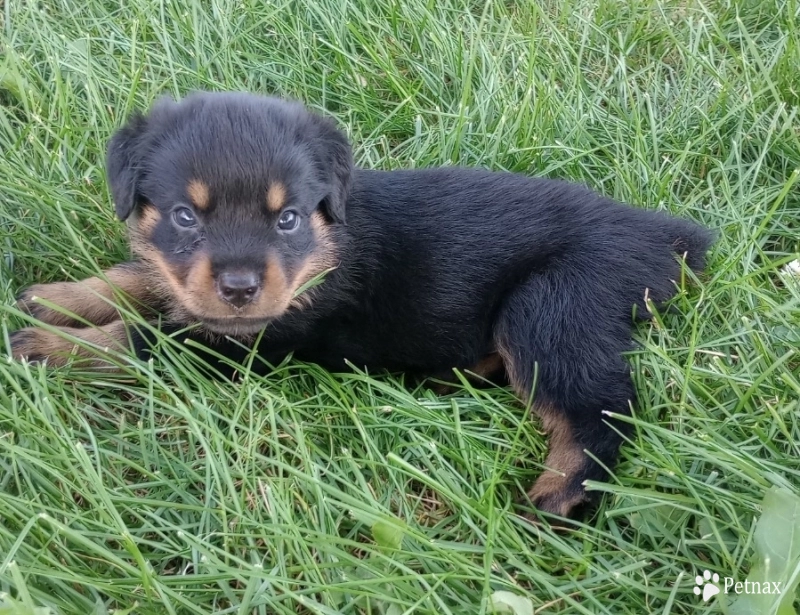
column 238, row 287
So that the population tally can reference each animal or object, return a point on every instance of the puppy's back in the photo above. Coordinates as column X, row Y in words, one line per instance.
column 509, row 221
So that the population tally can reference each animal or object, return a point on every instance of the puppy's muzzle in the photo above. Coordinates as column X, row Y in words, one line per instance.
column 238, row 287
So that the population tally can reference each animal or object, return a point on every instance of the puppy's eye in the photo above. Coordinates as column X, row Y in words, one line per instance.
column 184, row 217
column 288, row 220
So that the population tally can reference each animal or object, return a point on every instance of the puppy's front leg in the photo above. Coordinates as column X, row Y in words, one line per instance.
column 89, row 301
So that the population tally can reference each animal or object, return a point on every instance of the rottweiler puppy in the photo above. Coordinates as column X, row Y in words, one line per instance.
column 236, row 202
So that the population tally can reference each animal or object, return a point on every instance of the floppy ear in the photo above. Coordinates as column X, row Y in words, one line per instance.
column 122, row 165
column 336, row 159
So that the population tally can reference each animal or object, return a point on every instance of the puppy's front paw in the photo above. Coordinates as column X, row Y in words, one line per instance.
column 33, row 301
column 57, row 347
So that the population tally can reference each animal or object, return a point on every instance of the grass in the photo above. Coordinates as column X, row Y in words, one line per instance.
column 312, row 492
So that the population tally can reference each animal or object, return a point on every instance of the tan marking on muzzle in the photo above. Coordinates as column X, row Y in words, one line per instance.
column 275, row 286
column 323, row 258
column 194, row 296
column 168, row 283
column 201, row 296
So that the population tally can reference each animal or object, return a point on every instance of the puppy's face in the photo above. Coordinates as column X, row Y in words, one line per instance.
column 234, row 200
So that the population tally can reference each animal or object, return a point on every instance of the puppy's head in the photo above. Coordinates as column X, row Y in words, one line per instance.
column 234, row 199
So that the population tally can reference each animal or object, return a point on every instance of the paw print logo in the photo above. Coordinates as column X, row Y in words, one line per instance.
column 706, row 585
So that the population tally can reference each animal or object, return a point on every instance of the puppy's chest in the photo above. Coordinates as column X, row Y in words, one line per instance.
column 418, row 314
column 402, row 338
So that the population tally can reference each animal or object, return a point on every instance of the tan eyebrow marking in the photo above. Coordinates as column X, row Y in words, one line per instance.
column 276, row 196
column 199, row 193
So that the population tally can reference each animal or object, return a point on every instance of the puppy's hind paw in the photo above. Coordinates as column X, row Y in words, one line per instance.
column 555, row 495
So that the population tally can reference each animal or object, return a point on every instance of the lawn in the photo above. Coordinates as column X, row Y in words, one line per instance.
column 163, row 491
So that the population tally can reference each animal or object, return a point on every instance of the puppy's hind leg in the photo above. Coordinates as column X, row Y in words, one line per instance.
column 559, row 326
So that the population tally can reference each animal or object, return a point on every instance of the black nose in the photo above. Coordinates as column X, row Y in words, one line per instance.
column 237, row 287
